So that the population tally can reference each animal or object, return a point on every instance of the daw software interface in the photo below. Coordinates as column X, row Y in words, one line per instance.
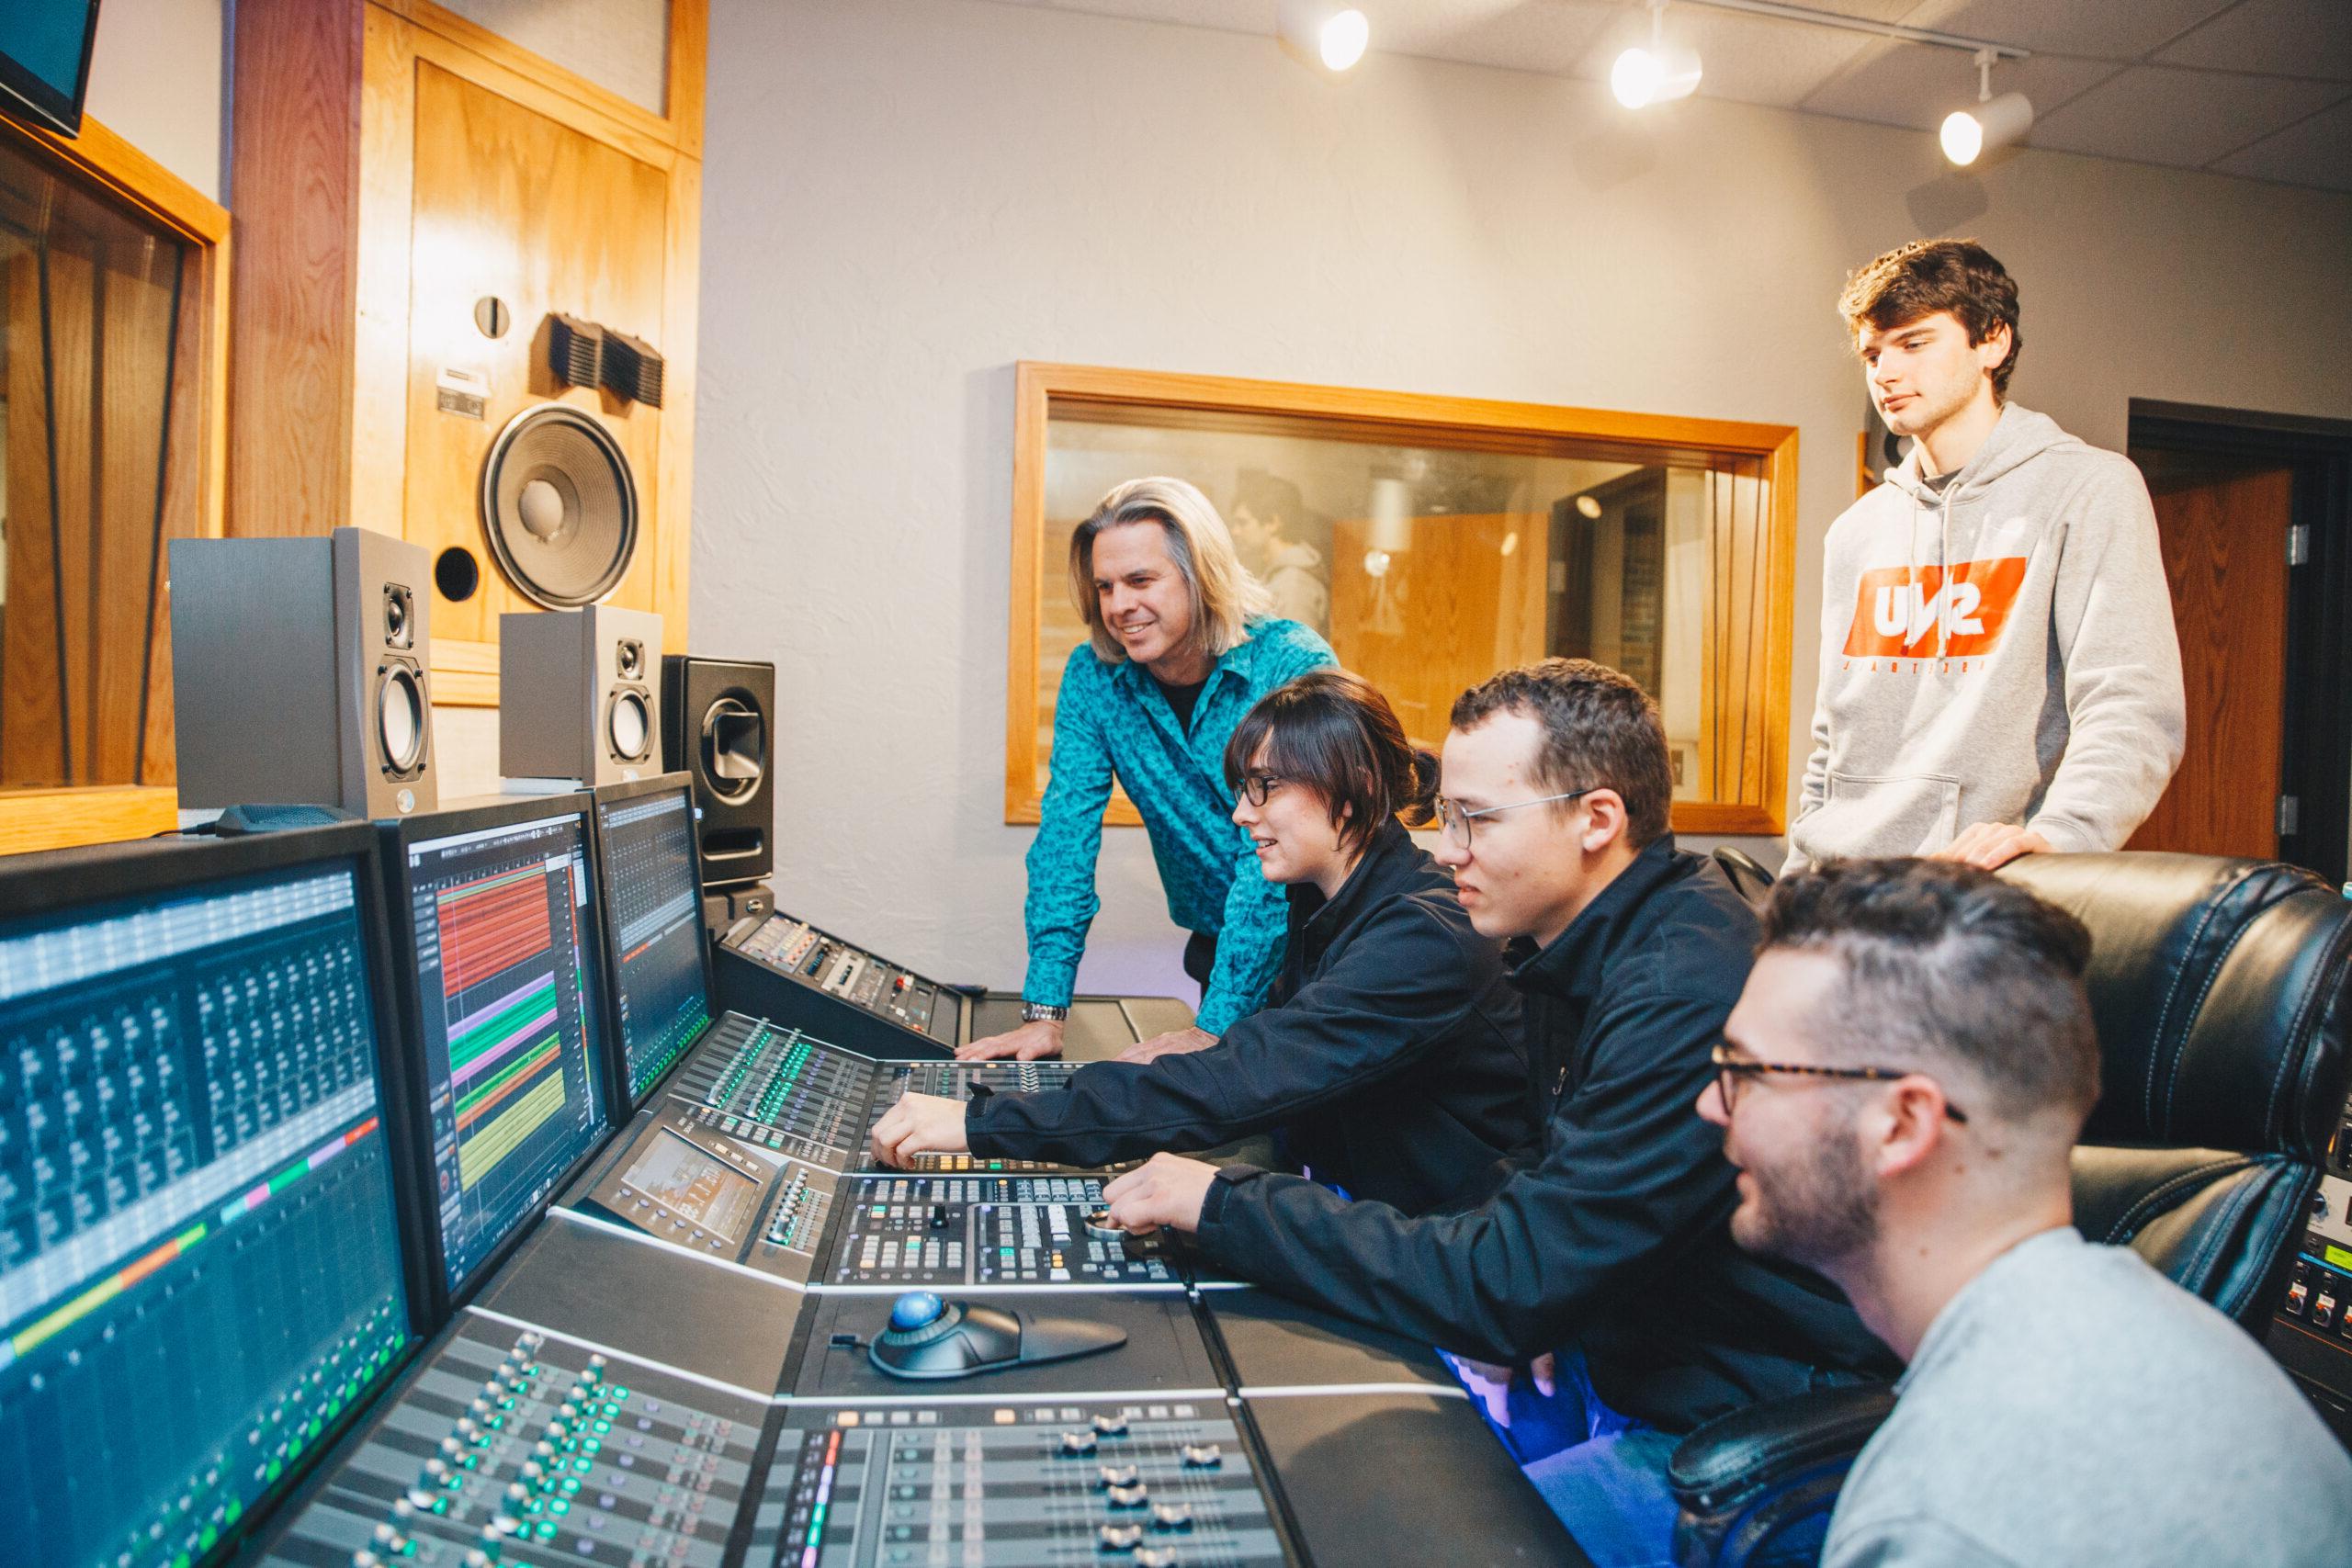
column 508, row 981
column 654, row 908
column 199, row 1260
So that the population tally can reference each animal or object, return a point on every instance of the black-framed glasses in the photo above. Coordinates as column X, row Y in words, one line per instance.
column 1454, row 822
column 1256, row 789
column 1731, row 1069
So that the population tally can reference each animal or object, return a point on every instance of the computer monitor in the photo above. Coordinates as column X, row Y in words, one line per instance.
column 45, row 60
column 645, row 846
column 502, row 972
column 203, row 1271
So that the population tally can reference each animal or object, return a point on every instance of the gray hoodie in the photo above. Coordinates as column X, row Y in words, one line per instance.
column 2000, row 651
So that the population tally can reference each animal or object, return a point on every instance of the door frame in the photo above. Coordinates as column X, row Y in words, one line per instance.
column 2316, row 764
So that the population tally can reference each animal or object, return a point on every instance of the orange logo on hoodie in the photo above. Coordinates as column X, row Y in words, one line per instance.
column 1898, row 608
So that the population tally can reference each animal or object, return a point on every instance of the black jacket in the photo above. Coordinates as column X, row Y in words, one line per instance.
column 1617, row 1239
column 1389, row 1054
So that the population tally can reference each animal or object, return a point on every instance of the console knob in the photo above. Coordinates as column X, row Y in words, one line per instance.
column 477, row 1557
column 1128, row 1496
column 518, row 1493
column 1203, row 1456
column 531, row 1471
column 1155, row 1557
column 1116, row 1475
column 1171, row 1515
column 1078, row 1443
column 916, row 1309
column 1119, row 1538
column 556, row 1431
column 435, row 1470
column 451, row 1447
column 362, row 1558
column 1111, row 1426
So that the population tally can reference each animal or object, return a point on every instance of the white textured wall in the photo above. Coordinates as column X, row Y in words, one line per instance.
column 157, row 80
column 903, row 197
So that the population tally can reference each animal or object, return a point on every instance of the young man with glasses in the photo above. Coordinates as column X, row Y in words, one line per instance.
column 1609, row 1247
column 2064, row 1402
column 1387, row 1055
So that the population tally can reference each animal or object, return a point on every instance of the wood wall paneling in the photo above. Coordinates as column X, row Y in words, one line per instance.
column 31, row 715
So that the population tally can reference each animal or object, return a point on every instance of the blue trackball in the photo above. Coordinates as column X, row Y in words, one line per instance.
column 914, row 1310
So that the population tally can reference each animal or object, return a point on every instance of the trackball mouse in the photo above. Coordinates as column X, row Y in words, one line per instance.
column 930, row 1337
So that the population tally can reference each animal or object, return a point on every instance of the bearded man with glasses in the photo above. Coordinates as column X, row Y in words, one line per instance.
column 1598, row 1293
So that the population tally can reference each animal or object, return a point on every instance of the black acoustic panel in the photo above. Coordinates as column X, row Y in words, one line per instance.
column 575, row 350
column 644, row 1298
column 632, row 369
column 1405, row 1478
column 1164, row 1352
column 1274, row 1342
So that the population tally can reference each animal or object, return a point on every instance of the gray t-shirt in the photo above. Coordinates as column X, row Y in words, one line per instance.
column 2072, row 1406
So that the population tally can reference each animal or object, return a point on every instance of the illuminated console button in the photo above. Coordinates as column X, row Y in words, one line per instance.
column 1203, row 1456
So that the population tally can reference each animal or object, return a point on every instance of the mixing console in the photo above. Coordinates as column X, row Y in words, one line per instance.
column 1020, row 1486
column 524, row 1448
column 944, row 1231
column 861, row 978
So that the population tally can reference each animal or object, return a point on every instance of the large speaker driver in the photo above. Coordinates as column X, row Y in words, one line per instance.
column 560, row 505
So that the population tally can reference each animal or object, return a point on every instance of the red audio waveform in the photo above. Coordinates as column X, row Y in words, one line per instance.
column 491, row 925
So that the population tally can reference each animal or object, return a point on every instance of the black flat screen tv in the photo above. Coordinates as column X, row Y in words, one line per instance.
column 45, row 61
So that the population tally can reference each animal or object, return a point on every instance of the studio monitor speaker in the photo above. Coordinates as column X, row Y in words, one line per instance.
column 558, row 505
column 579, row 695
column 299, row 672
column 716, row 726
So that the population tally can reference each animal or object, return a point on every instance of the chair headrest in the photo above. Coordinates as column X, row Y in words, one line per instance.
column 2219, row 988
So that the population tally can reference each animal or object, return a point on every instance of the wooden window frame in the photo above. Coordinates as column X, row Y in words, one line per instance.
column 1042, row 390
column 113, row 170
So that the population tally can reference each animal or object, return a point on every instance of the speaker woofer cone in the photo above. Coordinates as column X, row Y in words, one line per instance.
column 400, row 720
column 734, row 748
column 628, row 724
column 558, row 506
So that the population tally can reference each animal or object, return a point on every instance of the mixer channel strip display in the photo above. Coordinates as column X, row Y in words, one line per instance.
column 1013, row 1486
column 655, row 906
column 525, row 1448
column 902, row 1231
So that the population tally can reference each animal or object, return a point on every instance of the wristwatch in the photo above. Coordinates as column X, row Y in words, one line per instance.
column 1037, row 1012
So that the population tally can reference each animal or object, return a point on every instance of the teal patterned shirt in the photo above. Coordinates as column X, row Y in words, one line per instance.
column 1112, row 720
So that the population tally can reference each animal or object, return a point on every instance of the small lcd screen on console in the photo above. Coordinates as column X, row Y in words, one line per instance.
column 199, row 1264
column 694, row 1185
column 654, row 909
column 508, row 981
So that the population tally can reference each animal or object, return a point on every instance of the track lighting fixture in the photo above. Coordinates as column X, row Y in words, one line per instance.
column 1320, row 35
column 1993, row 123
column 1656, row 74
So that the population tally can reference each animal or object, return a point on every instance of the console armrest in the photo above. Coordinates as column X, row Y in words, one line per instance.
column 1744, row 1478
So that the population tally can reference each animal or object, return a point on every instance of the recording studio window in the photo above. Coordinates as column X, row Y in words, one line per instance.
column 110, row 359
column 1433, row 541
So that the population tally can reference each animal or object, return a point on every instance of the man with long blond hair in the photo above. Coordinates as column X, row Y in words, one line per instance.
column 1179, row 645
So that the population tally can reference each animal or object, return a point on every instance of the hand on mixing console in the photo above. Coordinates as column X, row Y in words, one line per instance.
column 1175, row 1042
column 1166, row 1190
column 920, row 1124
column 1027, row 1044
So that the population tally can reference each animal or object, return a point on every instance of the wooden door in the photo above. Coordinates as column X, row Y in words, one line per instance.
column 2224, row 535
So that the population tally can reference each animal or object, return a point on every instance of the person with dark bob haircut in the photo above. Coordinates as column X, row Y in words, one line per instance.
column 1388, row 1055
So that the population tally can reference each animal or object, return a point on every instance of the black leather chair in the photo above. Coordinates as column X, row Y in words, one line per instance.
column 2221, row 990
column 1749, row 878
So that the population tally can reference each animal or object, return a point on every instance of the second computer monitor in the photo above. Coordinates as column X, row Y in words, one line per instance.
column 645, row 835
column 505, row 975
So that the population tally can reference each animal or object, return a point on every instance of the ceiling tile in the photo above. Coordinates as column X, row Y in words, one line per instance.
column 2291, row 38
column 2157, row 115
column 1902, row 84
column 2096, row 29
column 2318, row 151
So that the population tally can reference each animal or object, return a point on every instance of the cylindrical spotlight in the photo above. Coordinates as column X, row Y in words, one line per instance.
column 1657, row 73
column 1968, row 134
column 1320, row 35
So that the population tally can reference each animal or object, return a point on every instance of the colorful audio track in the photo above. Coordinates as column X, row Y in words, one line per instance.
column 506, row 1055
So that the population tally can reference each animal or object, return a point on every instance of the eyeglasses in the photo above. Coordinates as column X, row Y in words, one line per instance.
column 1454, row 822
column 1256, row 787
column 1731, row 1069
